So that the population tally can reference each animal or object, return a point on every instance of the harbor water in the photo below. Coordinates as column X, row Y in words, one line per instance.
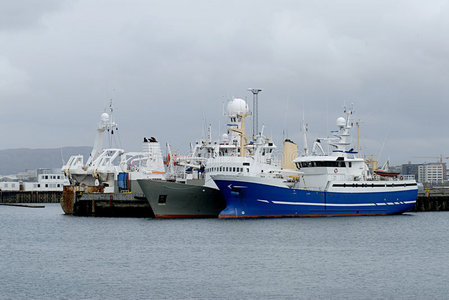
column 45, row 254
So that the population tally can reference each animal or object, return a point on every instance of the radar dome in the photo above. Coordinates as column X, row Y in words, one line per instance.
column 341, row 122
column 237, row 106
column 104, row 117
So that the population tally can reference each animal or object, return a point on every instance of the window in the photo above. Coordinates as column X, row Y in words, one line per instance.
column 162, row 199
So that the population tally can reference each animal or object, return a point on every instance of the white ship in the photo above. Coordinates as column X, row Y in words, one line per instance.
column 110, row 173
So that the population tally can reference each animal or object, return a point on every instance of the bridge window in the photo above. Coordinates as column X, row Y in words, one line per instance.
column 327, row 164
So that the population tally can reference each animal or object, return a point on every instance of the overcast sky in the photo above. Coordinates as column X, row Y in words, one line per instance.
column 169, row 65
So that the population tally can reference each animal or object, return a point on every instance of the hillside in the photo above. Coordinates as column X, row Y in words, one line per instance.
column 13, row 161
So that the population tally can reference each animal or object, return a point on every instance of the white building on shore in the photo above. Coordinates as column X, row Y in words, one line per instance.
column 433, row 173
column 47, row 181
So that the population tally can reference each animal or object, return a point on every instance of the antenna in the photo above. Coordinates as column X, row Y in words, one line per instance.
column 62, row 157
column 204, row 127
column 209, row 133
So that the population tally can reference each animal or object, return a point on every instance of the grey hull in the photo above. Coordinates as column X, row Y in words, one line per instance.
column 178, row 200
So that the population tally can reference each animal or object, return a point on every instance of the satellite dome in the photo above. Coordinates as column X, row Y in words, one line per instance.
column 341, row 122
column 104, row 117
column 225, row 137
column 237, row 106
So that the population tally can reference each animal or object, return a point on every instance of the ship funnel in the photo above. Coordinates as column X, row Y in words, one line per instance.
column 289, row 153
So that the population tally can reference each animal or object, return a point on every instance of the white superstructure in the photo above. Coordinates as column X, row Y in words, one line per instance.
column 342, row 170
column 104, row 165
column 233, row 153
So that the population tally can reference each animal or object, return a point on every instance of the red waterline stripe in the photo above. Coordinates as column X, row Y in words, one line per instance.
column 184, row 216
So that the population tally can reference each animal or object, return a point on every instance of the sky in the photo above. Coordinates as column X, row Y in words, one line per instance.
column 169, row 66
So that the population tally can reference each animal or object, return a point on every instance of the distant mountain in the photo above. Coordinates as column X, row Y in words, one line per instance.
column 13, row 161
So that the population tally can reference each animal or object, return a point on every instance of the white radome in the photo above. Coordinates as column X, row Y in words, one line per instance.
column 341, row 122
column 237, row 106
column 104, row 117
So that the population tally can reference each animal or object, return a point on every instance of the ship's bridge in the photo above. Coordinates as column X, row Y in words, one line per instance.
column 326, row 161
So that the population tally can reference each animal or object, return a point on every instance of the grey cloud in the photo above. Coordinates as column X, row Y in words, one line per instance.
column 170, row 64
column 25, row 14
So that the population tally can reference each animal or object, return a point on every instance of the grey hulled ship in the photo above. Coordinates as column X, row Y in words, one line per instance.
column 194, row 193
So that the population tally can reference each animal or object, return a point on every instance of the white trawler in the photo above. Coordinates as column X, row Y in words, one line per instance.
column 110, row 175
column 328, row 184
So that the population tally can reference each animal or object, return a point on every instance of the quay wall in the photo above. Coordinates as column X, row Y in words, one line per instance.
column 432, row 200
column 30, row 197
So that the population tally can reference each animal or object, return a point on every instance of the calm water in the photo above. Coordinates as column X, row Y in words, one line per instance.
column 45, row 254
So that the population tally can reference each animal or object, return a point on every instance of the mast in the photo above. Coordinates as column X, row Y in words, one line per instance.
column 306, row 149
column 304, row 128
column 343, row 134
column 358, row 136
column 241, row 132
column 209, row 133
column 106, row 123
column 255, row 111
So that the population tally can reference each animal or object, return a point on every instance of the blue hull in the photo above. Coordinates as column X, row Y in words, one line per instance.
column 247, row 200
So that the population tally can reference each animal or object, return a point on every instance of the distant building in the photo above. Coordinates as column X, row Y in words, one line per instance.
column 10, row 186
column 47, row 181
column 432, row 173
column 410, row 169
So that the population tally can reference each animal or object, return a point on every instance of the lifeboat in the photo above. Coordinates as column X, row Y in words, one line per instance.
column 384, row 173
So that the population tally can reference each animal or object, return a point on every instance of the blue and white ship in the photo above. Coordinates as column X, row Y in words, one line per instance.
column 325, row 184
